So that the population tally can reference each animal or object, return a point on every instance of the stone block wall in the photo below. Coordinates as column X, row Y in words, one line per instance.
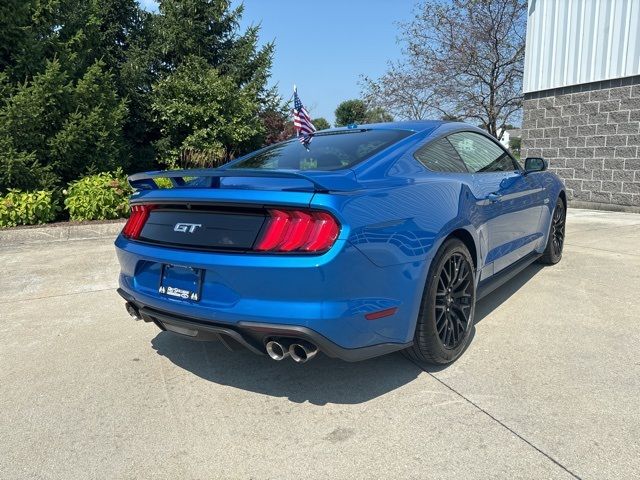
column 590, row 134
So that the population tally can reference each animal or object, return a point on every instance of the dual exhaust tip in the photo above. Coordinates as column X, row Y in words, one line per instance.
column 299, row 351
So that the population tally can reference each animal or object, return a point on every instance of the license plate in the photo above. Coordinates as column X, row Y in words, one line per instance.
column 182, row 283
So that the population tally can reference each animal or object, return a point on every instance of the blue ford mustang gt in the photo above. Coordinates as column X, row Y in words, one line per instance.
column 367, row 240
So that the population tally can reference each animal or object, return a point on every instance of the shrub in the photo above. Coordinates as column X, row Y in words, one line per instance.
column 27, row 208
column 163, row 182
column 104, row 196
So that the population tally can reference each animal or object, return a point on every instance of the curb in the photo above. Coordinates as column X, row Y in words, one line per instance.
column 58, row 233
column 607, row 207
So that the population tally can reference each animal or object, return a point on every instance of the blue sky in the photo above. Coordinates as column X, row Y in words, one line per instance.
column 324, row 46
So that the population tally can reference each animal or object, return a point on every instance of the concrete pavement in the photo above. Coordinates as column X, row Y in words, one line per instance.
column 549, row 387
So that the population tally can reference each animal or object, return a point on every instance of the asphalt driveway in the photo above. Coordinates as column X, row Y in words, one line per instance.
column 549, row 388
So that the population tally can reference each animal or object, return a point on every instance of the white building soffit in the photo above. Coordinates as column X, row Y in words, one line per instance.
column 571, row 42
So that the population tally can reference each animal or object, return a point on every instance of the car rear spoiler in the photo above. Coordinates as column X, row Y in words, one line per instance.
column 321, row 181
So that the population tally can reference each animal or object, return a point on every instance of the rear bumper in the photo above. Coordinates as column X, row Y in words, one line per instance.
column 253, row 335
column 247, row 298
column 330, row 294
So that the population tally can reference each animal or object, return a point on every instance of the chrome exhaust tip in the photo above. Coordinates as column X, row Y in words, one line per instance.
column 302, row 352
column 276, row 350
column 133, row 311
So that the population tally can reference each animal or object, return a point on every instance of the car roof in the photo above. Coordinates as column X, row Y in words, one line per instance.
column 428, row 127
column 413, row 125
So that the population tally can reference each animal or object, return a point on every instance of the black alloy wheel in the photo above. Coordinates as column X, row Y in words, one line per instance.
column 557, row 229
column 445, row 319
column 553, row 251
column 454, row 298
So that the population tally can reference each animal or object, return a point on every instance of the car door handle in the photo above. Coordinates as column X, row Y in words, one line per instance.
column 494, row 197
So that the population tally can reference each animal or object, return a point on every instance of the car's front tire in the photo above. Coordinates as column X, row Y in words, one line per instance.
column 555, row 241
column 447, row 310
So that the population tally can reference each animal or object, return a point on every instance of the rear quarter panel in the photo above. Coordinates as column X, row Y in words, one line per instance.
column 397, row 225
column 399, row 229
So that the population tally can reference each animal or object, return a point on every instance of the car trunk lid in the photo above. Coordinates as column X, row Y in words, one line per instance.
column 208, row 211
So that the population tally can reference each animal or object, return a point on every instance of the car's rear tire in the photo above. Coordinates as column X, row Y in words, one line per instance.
column 555, row 241
column 447, row 309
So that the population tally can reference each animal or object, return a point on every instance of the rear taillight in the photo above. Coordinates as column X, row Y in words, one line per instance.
column 298, row 231
column 137, row 219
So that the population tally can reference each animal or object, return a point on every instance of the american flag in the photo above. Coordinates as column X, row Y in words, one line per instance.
column 302, row 121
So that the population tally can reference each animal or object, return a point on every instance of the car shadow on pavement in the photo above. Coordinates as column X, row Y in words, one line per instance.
column 321, row 381
column 488, row 304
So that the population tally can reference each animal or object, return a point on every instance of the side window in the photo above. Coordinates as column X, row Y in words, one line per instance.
column 480, row 154
column 440, row 156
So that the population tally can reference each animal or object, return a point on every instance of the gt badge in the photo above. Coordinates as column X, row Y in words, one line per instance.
column 186, row 227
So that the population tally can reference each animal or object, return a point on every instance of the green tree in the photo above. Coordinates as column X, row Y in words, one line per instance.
column 351, row 111
column 90, row 137
column 86, row 86
column 200, row 110
column 356, row 111
column 321, row 123
column 18, row 169
column 14, row 36
column 66, row 47
column 116, row 32
column 208, row 29
column 29, row 118
column 79, row 33
column 60, row 128
column 203, row 35
column 378, row 115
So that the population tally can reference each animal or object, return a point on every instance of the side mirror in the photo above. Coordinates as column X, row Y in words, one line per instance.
column 535, row 164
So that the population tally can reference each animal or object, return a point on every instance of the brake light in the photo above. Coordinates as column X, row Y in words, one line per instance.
column 325, row 231
column 137, row 219
column 277, row 226
column 298, row 231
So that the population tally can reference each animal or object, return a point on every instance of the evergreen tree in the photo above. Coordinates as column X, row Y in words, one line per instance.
column 88, row 85
column 202, row 111
column 90, row 137
column 208, row 29
column 14, row 35
column 201, row 57
column 60, row 128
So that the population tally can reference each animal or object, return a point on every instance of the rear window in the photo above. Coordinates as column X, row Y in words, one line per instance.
column 326, row 151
